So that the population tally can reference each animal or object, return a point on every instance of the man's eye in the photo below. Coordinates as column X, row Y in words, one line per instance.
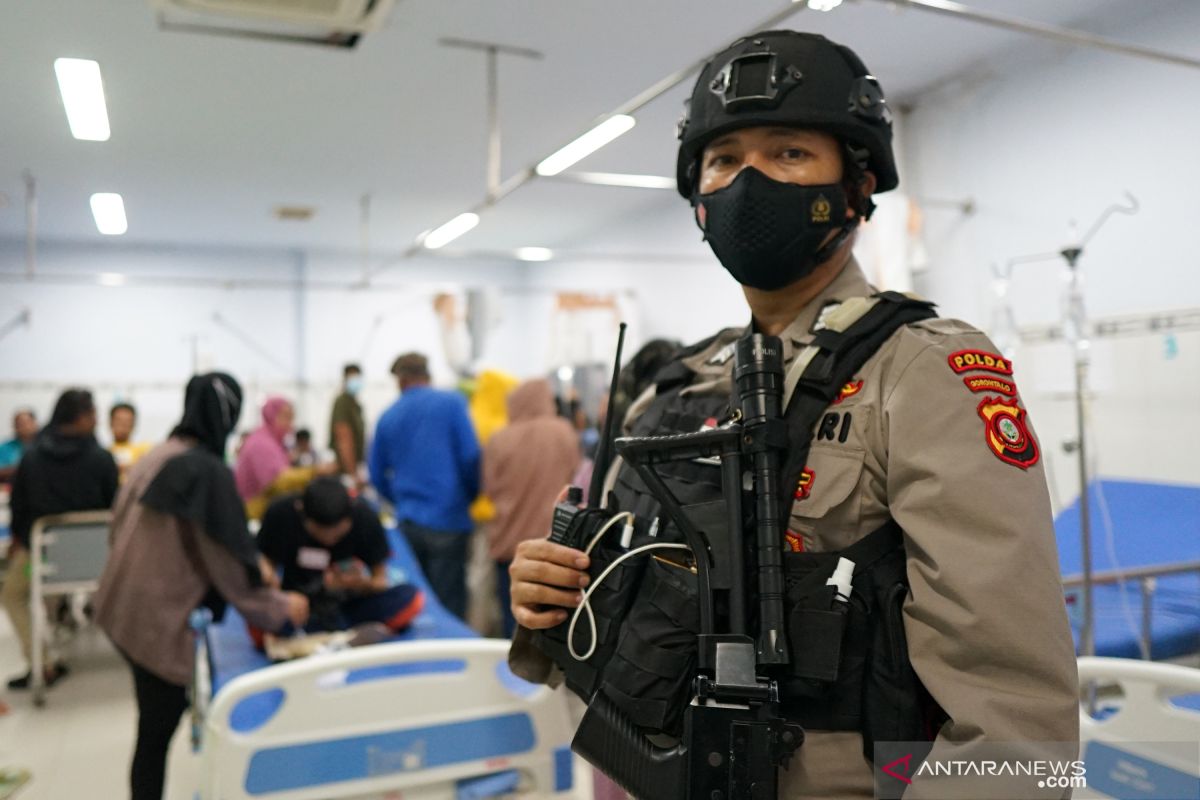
column 794, row 153
column 720, row 160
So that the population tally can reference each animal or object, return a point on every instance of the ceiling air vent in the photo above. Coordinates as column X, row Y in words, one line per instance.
column 336, row 23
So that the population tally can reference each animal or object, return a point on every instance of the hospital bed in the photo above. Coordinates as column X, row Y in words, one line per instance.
column 1146, row 743
column 1146, row 577
column 434, row 714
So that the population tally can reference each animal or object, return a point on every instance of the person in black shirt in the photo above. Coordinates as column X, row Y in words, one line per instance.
column 64, row 470
column 333, row 549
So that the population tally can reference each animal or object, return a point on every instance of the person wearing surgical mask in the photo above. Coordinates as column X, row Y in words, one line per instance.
column 347, row 437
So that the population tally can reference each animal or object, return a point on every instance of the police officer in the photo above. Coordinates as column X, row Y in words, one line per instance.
column 786, row 138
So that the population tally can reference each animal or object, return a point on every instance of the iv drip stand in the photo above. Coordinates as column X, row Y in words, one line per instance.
column 1075, row 330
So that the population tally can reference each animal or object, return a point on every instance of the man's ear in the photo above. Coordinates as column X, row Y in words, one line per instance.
column 868, row 183
column 862, row 205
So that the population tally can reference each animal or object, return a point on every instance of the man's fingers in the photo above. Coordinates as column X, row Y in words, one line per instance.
column 540, row 594
column 546, row 550
column 536, row 620
column 547, row 573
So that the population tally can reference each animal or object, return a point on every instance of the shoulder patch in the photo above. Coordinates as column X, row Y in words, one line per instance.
column 1006, row 433
column 986, row 383
column 970, row 360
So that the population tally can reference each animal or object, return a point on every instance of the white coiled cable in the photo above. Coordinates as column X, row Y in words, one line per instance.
column 585, row 604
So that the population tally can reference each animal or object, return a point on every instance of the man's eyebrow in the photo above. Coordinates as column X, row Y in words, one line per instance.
column 726, row 139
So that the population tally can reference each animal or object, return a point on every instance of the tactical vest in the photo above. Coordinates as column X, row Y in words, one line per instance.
column 849, row 668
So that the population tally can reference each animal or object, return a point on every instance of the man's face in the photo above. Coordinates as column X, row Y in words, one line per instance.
column 25, row 426
column 327, row 535
column 87, row 423
column 788, row 155
column 121, row 423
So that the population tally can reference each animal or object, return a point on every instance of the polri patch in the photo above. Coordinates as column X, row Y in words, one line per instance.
column 1006, row 433
column 986, row 383
column 970, row 360
column 804, row 486
column 849, row 390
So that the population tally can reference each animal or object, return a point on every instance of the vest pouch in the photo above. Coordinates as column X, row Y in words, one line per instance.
column 816, row 619
column 651, row 672
column 894, row 701
column 610, row 602
column 828, row 643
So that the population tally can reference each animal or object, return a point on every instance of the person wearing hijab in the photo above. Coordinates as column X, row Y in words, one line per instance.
column 179, row 541
column 525, row 467
column 264, row 471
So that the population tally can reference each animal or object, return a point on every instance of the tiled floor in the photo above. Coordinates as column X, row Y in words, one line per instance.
column 79, row 744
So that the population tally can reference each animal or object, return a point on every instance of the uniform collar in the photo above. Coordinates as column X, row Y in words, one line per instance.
column 850, row 282
column 717, row 358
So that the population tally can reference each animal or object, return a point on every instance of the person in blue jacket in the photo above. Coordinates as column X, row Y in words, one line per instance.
column 425, row 460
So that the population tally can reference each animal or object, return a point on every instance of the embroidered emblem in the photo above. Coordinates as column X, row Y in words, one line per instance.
column 804, row 486
column 986, row 383
column 794, row 543
column 849, row 390
column 821, row 209
column 1006, row 432
column 967, row 360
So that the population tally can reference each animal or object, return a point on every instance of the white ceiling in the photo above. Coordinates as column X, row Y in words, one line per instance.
column 210, row 134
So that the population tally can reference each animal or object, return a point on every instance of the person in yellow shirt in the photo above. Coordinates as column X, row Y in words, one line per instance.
column 122, row 419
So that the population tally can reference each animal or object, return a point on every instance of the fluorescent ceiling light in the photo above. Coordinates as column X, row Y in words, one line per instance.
column 109, row 210
column 535, row 253
column 824, row 5
column 445, row 234
column 566, row 374
column 622, row 179
column 587, row 144
column 83, row 97
column 111, row 279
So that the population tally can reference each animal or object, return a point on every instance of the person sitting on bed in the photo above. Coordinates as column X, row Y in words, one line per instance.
column 333, row 549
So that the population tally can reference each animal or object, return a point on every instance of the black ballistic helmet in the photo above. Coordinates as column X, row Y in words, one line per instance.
column 794, row 79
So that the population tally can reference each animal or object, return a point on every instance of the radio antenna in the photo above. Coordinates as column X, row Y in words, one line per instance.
column 602, row 452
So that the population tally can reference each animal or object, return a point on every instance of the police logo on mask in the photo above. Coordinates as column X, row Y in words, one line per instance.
column 821, row 210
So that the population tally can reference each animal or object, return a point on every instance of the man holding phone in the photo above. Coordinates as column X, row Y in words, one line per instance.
column 333, row 549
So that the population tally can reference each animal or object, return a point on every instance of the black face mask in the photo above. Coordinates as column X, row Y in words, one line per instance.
column 767, row 233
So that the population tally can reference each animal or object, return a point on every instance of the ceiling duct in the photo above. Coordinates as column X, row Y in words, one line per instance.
column 335, row 23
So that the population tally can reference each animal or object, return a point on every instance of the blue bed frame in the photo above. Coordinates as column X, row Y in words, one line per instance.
column 1152, row 524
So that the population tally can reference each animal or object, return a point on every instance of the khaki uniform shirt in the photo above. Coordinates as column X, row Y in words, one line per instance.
column 932, row 433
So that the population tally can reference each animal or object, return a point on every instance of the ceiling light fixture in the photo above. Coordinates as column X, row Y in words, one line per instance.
column 587, row 144
column 83, row 97
column 111, row 279
column 824, row 5
column 632, row 180
column 109, row 210
column 535, row 253
column 447, row 233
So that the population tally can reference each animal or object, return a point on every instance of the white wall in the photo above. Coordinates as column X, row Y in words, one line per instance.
column 141, row 341
column 1048, row 134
